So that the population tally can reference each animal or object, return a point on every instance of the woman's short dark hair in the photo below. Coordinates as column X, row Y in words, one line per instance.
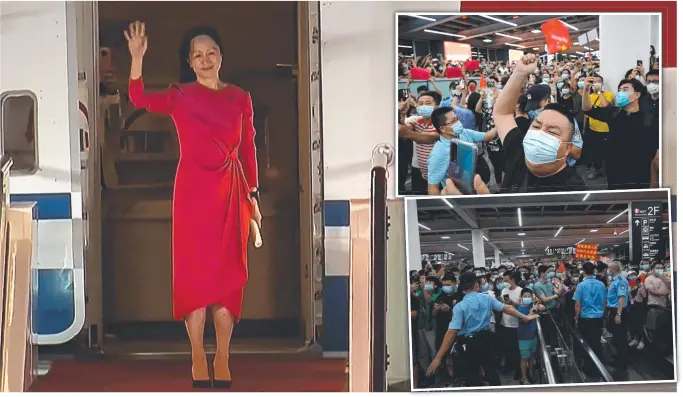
column 187, row 75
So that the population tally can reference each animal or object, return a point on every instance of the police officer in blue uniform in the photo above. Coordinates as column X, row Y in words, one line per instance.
column 470, row 329
column 589, row 310
column 617, row 302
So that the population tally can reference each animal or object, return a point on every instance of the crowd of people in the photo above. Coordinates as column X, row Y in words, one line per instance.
column 471, row 324
column 539, row 126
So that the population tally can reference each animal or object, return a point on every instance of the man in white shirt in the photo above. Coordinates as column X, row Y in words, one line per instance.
column 512, row 295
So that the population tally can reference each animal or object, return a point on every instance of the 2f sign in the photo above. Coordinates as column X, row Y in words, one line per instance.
column 653, row 211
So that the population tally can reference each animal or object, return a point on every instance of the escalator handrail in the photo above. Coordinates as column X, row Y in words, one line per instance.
column 545, row 357
column 598, row 364
column 378, row 271
column 5, row 164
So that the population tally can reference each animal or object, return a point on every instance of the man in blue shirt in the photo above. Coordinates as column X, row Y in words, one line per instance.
column 471, row 326
column 590, row 298
column 617, row 301
column 449, row 126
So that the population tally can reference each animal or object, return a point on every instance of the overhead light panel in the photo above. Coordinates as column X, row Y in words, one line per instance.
column 536, row 31
column 522, row 243
column 463, row 247
column 445, row 237
column 498, row 20
column 508, row 36
column 519, row 216
column 559, row 230
column 487, row 40
column 486, row 238
column 569, row 26
column 586, row 197
column 624, row 232
column 535, row 49
column 423, row 226
column 521, row 234
column 580, row 53
column 594, row 230
column 620, row 214
column 581, row 241
column 444, row 33
column 576, row 43
column 405, row 46
column 421, row 17
column 515, row 45
column 448, row 203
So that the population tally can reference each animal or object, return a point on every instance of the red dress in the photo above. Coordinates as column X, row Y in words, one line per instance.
column 211, row 206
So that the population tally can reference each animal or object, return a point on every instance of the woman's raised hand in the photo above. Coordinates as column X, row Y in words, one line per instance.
column 137, row 41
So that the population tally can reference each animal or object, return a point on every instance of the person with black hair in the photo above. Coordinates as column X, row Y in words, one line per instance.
column 633, row 136
column 426, row 325
column 470, row 325
column 444, row 311
column 215, row 194
column 449, row 127
column 511, row 295
column 650, row 102
column 521, row 117
column 589, row 308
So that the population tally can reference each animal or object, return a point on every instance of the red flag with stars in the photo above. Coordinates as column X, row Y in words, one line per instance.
column 556, row 36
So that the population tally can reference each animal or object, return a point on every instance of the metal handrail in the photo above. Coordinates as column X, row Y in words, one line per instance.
column 545, row 357
column 598, row 364
column 378, row 271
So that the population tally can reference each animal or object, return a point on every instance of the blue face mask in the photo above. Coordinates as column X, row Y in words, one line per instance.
column 500, row 87
column 540, row 148
column 425, row 111
column 550, row 275
column 428, row 287
column 546, row 80
column 565, row 91
column 644, row 267
column 447, row 289
column 458, row 128
column 532, row 114
column 531, row 285
column 500, row 286
column 585, row 70
column 485, row 288
column 456, row 288
column 560, row 85
column 581, row 84
column 621, row 100
column 526, row 301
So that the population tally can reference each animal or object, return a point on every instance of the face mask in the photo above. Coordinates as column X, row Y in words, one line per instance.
column 526, row 301
column 531, row 285
column 644, row 267
column 581, row 84
column 428, row 287
column 585, row 70
column 659, row 272
column 565, row 76
column 540, row 148
column 500, row 87
column 447, row 289
column 484, row 288
column 501, row 286
column 631, row 277
column 550, row 275
column 597, row 86
column 653, row 88
column 575, row 280
column 560, row 85
column 425, row 111
column 565, row 91
column 458, row 128
column 621, row 100
column 546, row 80
column 559, row 275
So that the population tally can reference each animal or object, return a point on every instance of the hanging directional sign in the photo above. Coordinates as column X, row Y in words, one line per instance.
column 438, row 257
column 560, row 251
column 645, row 240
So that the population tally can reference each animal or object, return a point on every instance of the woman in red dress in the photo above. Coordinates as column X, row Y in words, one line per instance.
column 215, row 193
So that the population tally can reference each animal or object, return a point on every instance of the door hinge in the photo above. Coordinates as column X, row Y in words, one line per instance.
column 81, row 76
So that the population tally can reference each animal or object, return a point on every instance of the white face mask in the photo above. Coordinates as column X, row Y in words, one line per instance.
column 597, row 86
column 653, row 88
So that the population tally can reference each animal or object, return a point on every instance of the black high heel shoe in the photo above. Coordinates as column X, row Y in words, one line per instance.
column 201, row 384
column 222, row 384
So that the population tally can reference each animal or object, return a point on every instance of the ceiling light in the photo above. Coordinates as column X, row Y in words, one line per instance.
column 487, row 40
column 449, row 253
column 665, row 227
column 521, row 234
column 508, row 36
column 624, row 231
column 616, row 245
column 586, row 197
column 486, row 238
column 448, row 203
column 559, row 230
column 536, row 31
column 463, row 247
column 594, row 230
column 515, row 45
column 423, row 226
column 535, row 49
column 443, row 33
column 421, row 17
column 522, row 243
column 405, row 46
column 582, row 240
column 580, row 53
column 620, row 214
column 445, row 237
column 498, row 20
column 588, row 48
column 519, row 216
column 576, row 43
column 569, row 26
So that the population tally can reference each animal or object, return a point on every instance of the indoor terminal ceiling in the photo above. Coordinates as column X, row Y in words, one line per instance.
column 590, row 218
column 495, row 31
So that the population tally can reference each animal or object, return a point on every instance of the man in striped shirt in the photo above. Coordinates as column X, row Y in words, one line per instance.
column 420, row 130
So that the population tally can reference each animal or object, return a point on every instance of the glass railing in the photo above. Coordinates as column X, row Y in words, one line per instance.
column 545, row 368
column 563, row 353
